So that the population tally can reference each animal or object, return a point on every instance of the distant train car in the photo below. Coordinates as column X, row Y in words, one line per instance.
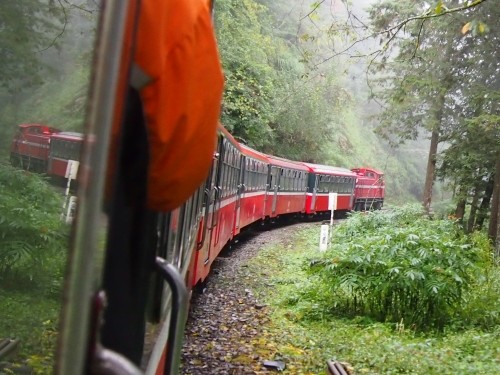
column 287, row 185
column 370, row 189
column 64, row 146
column 252, row 188
column 324, row 179
column 30, row 146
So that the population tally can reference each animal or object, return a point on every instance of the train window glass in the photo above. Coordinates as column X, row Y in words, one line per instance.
column 222, row 184
column 188, row 233
column 229, row 179
column 235, row 179
column 229, row 175
column 178, row 249
column 336, row 184
column 35, row 272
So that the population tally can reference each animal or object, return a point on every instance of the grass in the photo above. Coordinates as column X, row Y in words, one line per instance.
column 305, row 336
column 33, row 320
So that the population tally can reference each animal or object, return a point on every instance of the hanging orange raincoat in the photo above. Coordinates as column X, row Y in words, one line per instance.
column 177, row 71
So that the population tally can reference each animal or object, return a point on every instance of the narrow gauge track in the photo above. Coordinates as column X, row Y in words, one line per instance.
column 227, row 316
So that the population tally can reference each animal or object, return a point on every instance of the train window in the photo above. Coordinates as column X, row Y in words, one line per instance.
column 223, row 184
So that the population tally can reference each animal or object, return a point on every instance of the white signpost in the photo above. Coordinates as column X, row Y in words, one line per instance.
column 69, row 205
column 327, row 230
column 323, row 238
column 332, row 205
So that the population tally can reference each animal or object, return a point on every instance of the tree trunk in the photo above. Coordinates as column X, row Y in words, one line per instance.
column 473, row 210
column 485, row 204
column 460, row 211
column 431, row 168
column 494, row 227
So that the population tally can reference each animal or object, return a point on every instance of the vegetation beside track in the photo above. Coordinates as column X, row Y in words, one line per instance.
column 33, row 243
column 312, row 315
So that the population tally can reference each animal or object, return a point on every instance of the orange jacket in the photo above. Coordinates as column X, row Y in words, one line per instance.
column 178, row 72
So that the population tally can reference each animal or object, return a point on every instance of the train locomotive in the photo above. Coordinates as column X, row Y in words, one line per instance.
column 44, row 149
column 165, row 185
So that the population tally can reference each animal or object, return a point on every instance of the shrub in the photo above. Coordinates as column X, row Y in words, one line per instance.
column 31, row 232
column 400, row 266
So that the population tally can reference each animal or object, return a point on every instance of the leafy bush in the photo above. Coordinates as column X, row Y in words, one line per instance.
column 399, row 266
column 31, row 233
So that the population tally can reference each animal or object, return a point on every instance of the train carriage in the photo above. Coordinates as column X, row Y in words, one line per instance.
column 287, row 184
column 325, row 179
column 64, row 147
column 219, row 206
column 252, row 188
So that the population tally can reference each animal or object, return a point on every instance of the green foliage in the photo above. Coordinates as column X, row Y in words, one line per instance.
column 33, row 243
column 61, row 106
column 28, row 27
column 305, row 333
column 31, row 231
column 249, row 79
column 398, row 266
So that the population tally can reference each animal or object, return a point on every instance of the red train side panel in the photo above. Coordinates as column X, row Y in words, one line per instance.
column 324, row 180
column 251, row 197
column 219, row 204
column 286, row 187
column 64, row 146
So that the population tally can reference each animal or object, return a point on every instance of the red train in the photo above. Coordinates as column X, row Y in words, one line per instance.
column 44, row 149
column 244, row 187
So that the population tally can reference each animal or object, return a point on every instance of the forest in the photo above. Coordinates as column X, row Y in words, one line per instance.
column 408, row 87
column 331, row 82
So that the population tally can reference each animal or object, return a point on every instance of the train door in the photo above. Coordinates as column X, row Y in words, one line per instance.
column 275, row 179
column 240, row 192
column 315, row 182
column 214, row 199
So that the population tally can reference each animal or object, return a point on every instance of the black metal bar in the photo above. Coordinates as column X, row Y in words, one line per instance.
column 332, row 369
column 178, row 314
column 8, row 347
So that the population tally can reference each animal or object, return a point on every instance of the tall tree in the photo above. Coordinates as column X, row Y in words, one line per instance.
column 423, row 74
column 26, row 28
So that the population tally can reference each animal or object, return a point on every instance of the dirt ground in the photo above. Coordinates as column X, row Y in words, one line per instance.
column 226, row 318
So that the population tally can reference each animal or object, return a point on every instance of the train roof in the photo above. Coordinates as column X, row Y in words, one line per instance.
column 38, row 125
column 282, row 162
column 73, row 136
column 327, row 169
column 228, row 135
column 363, row 170
column 248, row 151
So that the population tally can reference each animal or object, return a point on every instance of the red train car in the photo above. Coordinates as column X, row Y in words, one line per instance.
column 219, row 205
column 370, row 189
column 30, row 146
column 323, row 180
column 252, row 188
column 64, row 146
column 287, row 185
